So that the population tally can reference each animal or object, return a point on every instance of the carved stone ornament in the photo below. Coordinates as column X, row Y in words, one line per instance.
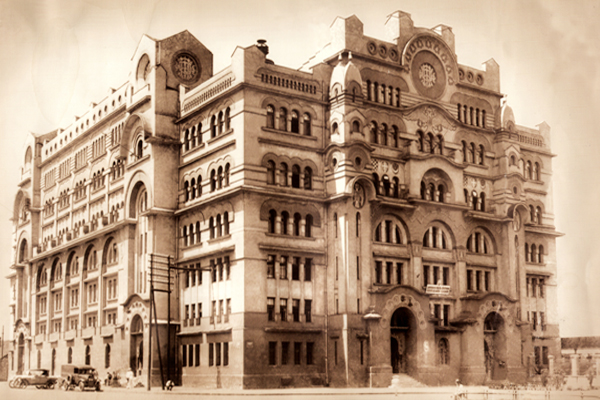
column 358, row 198
column 402, row 300
column 385, row 166
column 428, row 119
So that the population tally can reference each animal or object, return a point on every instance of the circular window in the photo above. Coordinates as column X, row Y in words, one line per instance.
column 186, row 68
column 428, row 74
column 382, row 51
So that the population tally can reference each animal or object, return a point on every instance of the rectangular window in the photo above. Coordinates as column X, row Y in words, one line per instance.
column 538, row 355
column 283, row 267
column 486, row 284
column 335, row 352
column 295, row 268
column 193, row 312
column 297, row 353
column 192, row 278
column 296, row 309
column 437, row 313
column 358, row 306
column 469, row 280
column 199, row 313
column 227, row 267
column 389, row 270
column 285, row 351
column 225, row 353
column 228, row 307
column 310, row 348
column 213, row 311
column 191, row 355
column 199, row 272
column 436, row 275
column 308, row 310
column 218, row 354
column 542, row 321
column 197, row 349
column 184, row 355
column 362, row 352
column 220, row 267
column 283, row 309
column 271, row 266
column 357, row 268
column 545, row 355
column 534, row 320
column 446, row 315
column 336, row 268
column 272, row 353
column 399, row 273
column 378, row 272
column 446, row 276
column 478, row 280
column 213, row 270
column 541, row 287
column 270, row 308
column 308, row 269
column 337, row 306
column 187, row 312
column 211, row 354
column 425, row 275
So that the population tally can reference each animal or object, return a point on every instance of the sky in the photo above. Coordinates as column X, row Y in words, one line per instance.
column 59, row 56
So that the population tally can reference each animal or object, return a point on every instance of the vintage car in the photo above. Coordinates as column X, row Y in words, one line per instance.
column 40, row 378
column 79, row 376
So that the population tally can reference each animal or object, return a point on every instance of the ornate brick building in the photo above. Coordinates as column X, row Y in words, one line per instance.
column 376, row 212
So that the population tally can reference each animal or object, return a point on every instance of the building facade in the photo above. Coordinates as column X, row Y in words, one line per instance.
column 376, row 212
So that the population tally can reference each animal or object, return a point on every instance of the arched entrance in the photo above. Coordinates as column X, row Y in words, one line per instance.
column 494, row 347
column 403, row 340
column 20, row 353
column 136, row 348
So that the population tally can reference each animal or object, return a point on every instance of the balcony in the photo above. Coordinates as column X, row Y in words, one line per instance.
column 54, row 336
column 107, row 331
column 88, row 332
column 39, row 338
column 70, row 334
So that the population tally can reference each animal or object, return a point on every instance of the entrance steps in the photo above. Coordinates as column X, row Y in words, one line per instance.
column 405, row 381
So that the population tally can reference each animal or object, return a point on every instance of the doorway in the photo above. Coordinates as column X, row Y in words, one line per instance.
column 403, row 341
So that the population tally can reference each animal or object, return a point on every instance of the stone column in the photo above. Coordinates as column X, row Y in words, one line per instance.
column 574, row 364
column 550, row 365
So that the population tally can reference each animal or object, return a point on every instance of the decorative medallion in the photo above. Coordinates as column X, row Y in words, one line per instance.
column 385, row 166
column 395, row 167
column 427, row 75
column 382, row 51
column 482, row 183
column 393, row 55
column 375, row 164
column 479, row 79
column 372, row 47
column 186, row 68
column 358, row 198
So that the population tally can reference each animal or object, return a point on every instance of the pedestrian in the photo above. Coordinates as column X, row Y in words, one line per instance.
column 460, row 393
column 129, row 376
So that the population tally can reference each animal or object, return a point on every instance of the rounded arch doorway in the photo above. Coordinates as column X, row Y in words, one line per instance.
column 20, row 353
column 494, row 347
column 403, row 341
column 136, row 348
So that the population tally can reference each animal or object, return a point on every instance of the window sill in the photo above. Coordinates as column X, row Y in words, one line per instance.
column 192, row 149
column 285, row 236
column 137, row 162
column 219, row 136
column 219, row 239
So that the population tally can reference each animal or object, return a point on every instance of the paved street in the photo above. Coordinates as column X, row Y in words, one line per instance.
column 430, row 393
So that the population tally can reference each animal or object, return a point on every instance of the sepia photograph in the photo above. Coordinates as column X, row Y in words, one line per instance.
column 300, row 199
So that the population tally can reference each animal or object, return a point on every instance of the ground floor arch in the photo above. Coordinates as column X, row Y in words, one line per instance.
column 403, row 341
column 495, row 347
column 136, row 348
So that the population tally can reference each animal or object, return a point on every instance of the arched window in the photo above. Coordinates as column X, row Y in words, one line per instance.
column 270, row 117
column 441, row 193
column 532, row 214
column 213, row 180
column 435, row 237
column 482, row 201
column 472, row 153
column 295, row 122
column 513, row 160
column 272, row 220
column 465, row 151
column 376, row 183
column 528, row 170
column 534, row 254
column 213, row 127
column 220, row 178
column 227, row 119
column 334, row 128
column 384, row 134
column 355, row 126
column 369, row 90
column 306, row 125
column 187, row 140
column 386, row 185
column 439, row 146
column 184, row 235
column 88, row 355
column 540, row 254
column 285, row 217
column 191, row 235
column 270, row 172
column 193, row 188
column 475, row 200
column 444, row 351
column 536, row 171
column 308, row 226
column 284, row 175
column 423, row 191
column 219, row 224
column 282, row 119
column 478, row 242
column 396, row 185
column 23, row 254
column 198, row 235
column 335, row 224
column 429, row 143
column 295, row 176
column 199, row 186
column 374, row 133
column 458, row 112
column 211, row 227
column 538, row 215
column 220, row 123
column 107, row 356
column 139, row 150
column 307, row 178
column 225, row 223
column 90, row 261
column 297, row 219
column 358, row 224
column 394, row 136
column 481, row 154
column 72, row 264
column 226, row 175
column 70, row 356
column 527, row 253
column 420, row 141
column 111, row 251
